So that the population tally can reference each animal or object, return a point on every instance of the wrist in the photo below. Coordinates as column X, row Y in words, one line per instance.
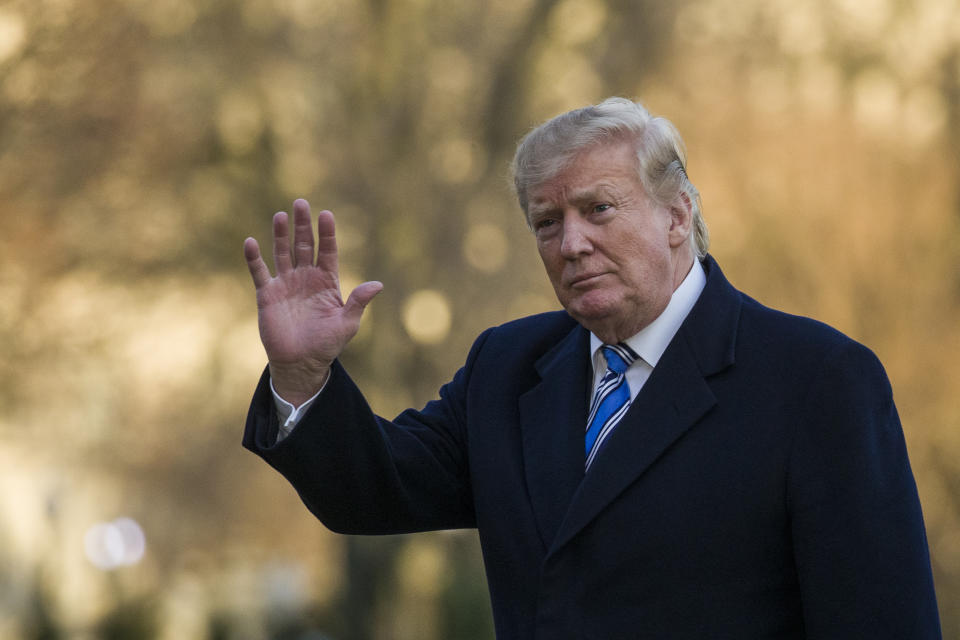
column 298, row 383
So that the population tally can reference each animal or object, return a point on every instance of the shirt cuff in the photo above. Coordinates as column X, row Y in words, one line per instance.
column 289, row 415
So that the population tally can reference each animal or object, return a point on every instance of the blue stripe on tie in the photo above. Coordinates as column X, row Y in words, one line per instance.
column 611, row 399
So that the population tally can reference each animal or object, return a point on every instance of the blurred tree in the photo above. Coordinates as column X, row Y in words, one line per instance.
column 129, row 621
column 40, row 620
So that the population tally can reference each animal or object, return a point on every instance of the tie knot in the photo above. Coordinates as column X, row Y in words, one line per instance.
column 619, row 357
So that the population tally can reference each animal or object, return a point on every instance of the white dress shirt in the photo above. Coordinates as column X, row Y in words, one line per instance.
column 652, row 340
column 289, row 415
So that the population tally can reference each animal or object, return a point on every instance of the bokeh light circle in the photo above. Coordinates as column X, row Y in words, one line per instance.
column 427, row 317
column 120, row 543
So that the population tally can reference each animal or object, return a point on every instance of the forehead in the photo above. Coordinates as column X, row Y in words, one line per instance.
column 600, row 168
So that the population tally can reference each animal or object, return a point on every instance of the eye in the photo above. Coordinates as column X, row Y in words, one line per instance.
column 545, row 227
column 600, row 208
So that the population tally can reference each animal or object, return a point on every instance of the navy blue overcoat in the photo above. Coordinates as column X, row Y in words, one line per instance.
column 759, row 486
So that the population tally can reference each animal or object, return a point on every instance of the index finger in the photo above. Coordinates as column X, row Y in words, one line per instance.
column 327, row 243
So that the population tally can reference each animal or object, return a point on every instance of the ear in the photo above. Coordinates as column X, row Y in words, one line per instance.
column 681, row 220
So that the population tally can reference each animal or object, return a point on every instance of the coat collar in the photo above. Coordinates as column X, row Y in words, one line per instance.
column 673, row 399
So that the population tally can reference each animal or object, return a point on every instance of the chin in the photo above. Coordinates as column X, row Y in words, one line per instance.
column 590, row 313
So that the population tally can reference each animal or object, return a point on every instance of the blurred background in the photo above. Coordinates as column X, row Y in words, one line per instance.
column 142, row 140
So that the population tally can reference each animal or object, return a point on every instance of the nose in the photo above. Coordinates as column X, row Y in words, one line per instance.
column 576, row 238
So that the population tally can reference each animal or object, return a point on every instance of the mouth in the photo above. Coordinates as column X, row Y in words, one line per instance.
column 584, row 280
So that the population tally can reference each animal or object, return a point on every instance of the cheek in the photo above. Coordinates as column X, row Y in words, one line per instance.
column 646, row 262
column 550, row 260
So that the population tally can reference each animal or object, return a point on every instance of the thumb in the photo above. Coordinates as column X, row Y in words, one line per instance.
column 360, row 297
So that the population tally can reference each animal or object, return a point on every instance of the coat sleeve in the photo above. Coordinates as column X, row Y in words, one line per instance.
column 858, row 536
column 360, row 473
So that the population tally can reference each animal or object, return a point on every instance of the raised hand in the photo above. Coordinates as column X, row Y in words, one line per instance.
column 304, row 322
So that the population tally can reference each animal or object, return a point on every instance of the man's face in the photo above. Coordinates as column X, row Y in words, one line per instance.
column 614, row 256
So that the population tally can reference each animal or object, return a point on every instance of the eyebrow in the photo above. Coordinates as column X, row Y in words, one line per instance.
column 599, row 191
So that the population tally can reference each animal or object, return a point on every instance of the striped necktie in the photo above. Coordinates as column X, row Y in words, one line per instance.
column 611, row 399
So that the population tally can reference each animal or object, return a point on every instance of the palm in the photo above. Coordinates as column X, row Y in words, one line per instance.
column 304, row 321
column 301, row 315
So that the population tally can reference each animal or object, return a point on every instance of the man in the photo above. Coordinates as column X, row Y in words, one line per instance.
column 666, row 458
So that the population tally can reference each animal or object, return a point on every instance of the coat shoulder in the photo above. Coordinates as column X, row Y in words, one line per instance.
column 538, row 332
column 727, row 326
column 798, row 339
column 514, row 347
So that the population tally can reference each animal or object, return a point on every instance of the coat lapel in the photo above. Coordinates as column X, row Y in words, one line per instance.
column 673, row 399
column 657, row 417
column 552, row 417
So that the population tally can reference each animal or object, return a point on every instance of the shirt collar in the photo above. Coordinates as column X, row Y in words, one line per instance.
column 651, row 341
